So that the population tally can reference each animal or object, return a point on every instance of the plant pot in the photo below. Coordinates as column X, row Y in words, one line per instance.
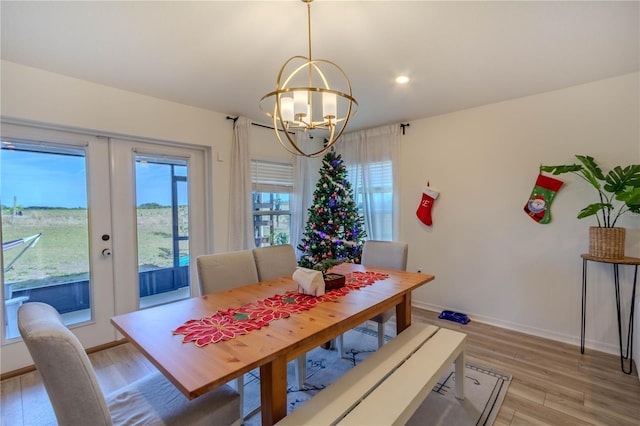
column 606, row 242
column 333, row 281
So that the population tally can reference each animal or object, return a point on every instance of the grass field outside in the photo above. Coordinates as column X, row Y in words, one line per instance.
column 61, row 253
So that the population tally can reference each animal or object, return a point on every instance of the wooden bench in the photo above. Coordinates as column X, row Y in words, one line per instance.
column 388, row 386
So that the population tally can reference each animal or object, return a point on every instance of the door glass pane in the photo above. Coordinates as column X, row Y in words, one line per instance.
column 163, row 231
column 45, row 238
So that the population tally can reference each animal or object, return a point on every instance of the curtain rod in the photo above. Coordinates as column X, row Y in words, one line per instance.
column 255, row 124
column 403, row 125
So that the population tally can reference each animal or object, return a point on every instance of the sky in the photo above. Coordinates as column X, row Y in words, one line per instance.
column 58, row 180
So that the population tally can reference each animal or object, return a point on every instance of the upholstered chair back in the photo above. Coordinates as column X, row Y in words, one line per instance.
column 275, row 261
column 76, row 396
column 385, row 254
column 66, row 370
column 223, row 271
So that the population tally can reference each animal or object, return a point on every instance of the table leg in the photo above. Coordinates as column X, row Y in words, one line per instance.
column 625, row 354
column 616, row 286
column 631, row 314
column 273, row 391
column 584, row 304
column 628, row 353
column 403, row 313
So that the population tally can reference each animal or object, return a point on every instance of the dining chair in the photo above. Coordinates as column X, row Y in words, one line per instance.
column 77, row 399
column 383, row 254
column 274, row 262
column 224, row 271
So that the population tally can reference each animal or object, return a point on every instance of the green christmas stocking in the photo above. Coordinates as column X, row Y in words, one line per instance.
column 541, row 197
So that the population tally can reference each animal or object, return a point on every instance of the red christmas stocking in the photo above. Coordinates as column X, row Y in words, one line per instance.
column 429, row 195
column 541, row 197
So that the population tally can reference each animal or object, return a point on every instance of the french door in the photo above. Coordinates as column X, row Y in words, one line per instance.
column 95, row 227
column 159, row 192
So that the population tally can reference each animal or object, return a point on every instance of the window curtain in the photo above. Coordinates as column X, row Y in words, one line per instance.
column 371, row 157
column 305, row 178
column 240, row 214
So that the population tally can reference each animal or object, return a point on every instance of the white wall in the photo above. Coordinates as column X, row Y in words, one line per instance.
column 40, row 96
column 490, row 259
column 43, row 97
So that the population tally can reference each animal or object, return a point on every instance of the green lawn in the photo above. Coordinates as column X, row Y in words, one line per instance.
column 62, row 249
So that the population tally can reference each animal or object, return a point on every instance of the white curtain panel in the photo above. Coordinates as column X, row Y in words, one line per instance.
column 305, row 178
column 371, row 156
column 240, row 204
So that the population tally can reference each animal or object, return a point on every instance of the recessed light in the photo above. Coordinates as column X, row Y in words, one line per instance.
column 402, row 79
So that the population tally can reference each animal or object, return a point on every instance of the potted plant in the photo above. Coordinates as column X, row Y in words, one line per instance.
column 618, row 192
column 331, row 280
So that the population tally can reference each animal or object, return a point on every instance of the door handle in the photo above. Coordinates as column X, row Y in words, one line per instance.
column 106, row 252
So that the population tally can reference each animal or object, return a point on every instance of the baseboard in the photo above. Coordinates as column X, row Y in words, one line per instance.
column 30, row 368
column 547, row 334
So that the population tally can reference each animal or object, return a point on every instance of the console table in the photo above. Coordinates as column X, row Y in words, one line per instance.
column 633, row 261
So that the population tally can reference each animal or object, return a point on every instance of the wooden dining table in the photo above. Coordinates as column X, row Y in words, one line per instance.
column 196, row 370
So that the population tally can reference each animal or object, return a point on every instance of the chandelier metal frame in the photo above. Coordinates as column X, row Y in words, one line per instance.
column 304, row 120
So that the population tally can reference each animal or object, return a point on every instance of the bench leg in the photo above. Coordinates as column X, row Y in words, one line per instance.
column 459, row 368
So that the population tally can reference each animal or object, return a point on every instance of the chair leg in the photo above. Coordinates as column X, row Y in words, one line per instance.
column 240, row 389
column 340, row 344
column 380, row 334
column 301, row 370
column 459, row 372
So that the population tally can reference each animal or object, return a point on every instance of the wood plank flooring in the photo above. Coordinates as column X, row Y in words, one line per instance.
column 552, row 383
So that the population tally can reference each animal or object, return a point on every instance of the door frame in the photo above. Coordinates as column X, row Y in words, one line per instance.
column 116, row 297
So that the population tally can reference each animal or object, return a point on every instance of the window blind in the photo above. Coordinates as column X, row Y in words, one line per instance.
column 268, row 176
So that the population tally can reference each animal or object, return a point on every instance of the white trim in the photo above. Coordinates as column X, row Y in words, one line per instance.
column 534, row 331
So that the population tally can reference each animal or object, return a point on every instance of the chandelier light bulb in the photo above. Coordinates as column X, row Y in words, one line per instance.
column 286, row 106
column 329, row 106
column 300, row 103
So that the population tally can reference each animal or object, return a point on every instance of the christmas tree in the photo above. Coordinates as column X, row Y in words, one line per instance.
column 334, row 229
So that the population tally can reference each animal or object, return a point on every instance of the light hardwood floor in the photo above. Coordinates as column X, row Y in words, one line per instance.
column 552, row 383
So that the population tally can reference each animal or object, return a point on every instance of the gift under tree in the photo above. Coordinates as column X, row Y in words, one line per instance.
column 334, row 229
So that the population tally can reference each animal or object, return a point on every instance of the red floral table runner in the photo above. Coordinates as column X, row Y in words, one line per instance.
column 232, row 322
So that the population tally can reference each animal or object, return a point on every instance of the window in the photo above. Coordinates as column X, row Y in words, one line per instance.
column 272, row 186
column 372, row 184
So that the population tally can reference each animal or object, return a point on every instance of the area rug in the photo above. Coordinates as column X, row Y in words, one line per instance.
column 485, row 387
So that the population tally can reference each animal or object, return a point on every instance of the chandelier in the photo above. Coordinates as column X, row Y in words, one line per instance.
column 304, row 100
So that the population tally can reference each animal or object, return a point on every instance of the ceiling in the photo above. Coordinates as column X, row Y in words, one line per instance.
column 225, row 55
